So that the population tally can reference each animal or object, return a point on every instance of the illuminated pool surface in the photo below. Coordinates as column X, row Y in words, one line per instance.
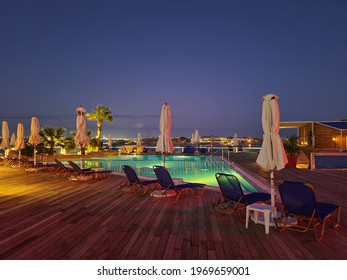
column 199, row 169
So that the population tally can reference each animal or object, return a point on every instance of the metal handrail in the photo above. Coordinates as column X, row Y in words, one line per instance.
column 174, row 165
column 215, row 152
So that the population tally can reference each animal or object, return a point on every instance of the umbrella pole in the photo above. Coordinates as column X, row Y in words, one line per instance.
column 34, row 155
column 164, row 158
column 272, row 182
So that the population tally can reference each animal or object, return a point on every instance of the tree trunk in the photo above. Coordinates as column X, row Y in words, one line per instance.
column 99, row 130
column 51, row 150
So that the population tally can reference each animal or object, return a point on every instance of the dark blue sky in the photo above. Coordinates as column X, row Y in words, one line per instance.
column 212, row 61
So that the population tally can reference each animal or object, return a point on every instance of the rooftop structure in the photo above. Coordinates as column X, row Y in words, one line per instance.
column 320, row 134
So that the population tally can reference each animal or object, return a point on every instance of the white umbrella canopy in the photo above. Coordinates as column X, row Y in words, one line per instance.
column 5, row 144
column 80, row 110
column 109, row 142
column 235, row 140
column 13, row 140
column 19, row 145
column 81, row 137
column 192, row 141
column 139, row 141
column 272, row 155
column 164, row 144
column 196, row 136
column 35, row 137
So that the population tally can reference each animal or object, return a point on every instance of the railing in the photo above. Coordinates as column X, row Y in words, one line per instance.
column 214, row 150
column 145, row 167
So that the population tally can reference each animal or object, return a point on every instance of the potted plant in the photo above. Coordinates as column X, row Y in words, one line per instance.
column 292, row 149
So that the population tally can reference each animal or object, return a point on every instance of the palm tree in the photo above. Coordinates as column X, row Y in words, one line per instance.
column 100, row 114
column 53, row 137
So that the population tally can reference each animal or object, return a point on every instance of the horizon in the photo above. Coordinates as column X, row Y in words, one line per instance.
column 91, row 125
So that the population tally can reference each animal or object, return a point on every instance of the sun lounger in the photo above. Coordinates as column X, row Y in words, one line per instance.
column 63, row 169
column 299, row 201
column 29, row 165
column 234, row 199
column 172, row 192
column 101, row 174
column 188, row 150
column 128, row 149
column 134, row 185
column 140, row 149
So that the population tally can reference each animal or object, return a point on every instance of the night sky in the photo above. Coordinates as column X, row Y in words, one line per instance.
column 212, row 61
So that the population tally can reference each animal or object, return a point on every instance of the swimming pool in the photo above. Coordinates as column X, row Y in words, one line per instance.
column 199, row 169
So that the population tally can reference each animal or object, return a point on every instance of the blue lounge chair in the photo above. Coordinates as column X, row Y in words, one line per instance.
column 299, row 201
column 29, row 165
column 203, row 150
column 63, row 169
column 171, row 191
column 134, row 185
column 188, row 150
column 101, row 174
column 234, row 199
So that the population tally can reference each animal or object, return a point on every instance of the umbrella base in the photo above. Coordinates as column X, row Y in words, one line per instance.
column 81, row 178
column 161, row 193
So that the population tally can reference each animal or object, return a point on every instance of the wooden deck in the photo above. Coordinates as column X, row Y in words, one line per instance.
column 44, row 216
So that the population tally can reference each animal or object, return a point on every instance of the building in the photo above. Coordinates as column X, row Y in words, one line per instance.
column 320, row 135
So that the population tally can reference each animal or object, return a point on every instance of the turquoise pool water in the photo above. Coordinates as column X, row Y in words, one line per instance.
column 199, row 169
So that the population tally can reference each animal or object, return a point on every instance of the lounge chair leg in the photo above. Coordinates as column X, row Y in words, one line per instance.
column 247, row 216
column 321, row 235
column 335, row 225
column 174, row 200
column 199, row 194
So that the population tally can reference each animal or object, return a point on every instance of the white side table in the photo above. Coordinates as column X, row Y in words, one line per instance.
column 262, row 208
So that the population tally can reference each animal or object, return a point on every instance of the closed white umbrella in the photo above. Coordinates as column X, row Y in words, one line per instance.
column 35, row 137
column 164, row 144
column 80, row 110
column 5, row 134
column 109, row 142
column 81, row 137
column 139, row 141
column 235, row 140
column 13, row 140
column 19, row 145
column 196, row 136
column 192, row 141
column 272, row 155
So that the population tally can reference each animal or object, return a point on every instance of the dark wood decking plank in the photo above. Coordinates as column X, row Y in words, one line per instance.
column 148, row 249
column 127, row 225
column 44, row 216
column 170, row 246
